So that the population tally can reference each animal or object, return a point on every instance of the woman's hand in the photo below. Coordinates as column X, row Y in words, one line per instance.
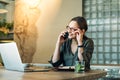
column 61, row 37
column 79, row 36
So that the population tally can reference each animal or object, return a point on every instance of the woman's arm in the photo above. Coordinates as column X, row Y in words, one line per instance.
column 80, row 52
column 57, row 56
column 79, row 37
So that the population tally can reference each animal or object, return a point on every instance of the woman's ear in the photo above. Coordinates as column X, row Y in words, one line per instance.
column 83, row 31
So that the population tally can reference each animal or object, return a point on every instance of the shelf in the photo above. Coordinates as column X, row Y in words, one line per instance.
column 9, row 36
column 4, row 2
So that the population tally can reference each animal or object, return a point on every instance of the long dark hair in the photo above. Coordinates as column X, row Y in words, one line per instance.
column 81, row 22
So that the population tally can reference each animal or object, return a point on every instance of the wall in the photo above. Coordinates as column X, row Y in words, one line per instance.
column 10, row 15
column 38, row 23
column 48, row 33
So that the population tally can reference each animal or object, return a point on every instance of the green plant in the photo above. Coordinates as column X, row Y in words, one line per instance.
column 5, row 27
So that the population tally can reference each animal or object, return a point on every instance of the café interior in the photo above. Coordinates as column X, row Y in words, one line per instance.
column 35, row 24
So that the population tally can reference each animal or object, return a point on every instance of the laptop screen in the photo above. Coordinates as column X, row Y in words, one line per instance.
column 10, row 56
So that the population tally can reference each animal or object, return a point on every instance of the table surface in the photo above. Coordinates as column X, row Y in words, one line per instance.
column 50, row 75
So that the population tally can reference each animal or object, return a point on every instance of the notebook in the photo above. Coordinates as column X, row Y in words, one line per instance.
column 12, row 60
column 65, row 68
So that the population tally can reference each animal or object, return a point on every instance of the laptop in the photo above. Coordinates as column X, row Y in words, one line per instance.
column 12, row 60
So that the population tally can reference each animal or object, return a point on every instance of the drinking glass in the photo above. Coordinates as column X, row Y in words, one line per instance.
column 79, row 66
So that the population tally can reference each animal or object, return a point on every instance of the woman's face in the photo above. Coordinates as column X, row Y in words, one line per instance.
column 72, row 27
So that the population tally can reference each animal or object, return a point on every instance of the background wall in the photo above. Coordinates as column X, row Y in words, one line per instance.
column 11, row 8
column 37, row 23
column 53, row 19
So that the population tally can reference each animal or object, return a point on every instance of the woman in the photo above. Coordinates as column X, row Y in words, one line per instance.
column 77, row 47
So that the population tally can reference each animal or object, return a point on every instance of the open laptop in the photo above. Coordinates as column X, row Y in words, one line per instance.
column 12, row 60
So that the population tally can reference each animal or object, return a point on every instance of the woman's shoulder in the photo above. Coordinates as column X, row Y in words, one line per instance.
column 88, row 40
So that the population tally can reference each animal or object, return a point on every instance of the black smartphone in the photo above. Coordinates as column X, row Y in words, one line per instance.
column 66, row 35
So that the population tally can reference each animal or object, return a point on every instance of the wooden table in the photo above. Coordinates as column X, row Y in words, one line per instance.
column 50, row 75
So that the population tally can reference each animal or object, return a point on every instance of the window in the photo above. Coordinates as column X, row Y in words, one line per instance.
column 103, row 18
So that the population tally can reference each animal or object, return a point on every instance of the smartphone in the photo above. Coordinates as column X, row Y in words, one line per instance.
column 66, row 35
